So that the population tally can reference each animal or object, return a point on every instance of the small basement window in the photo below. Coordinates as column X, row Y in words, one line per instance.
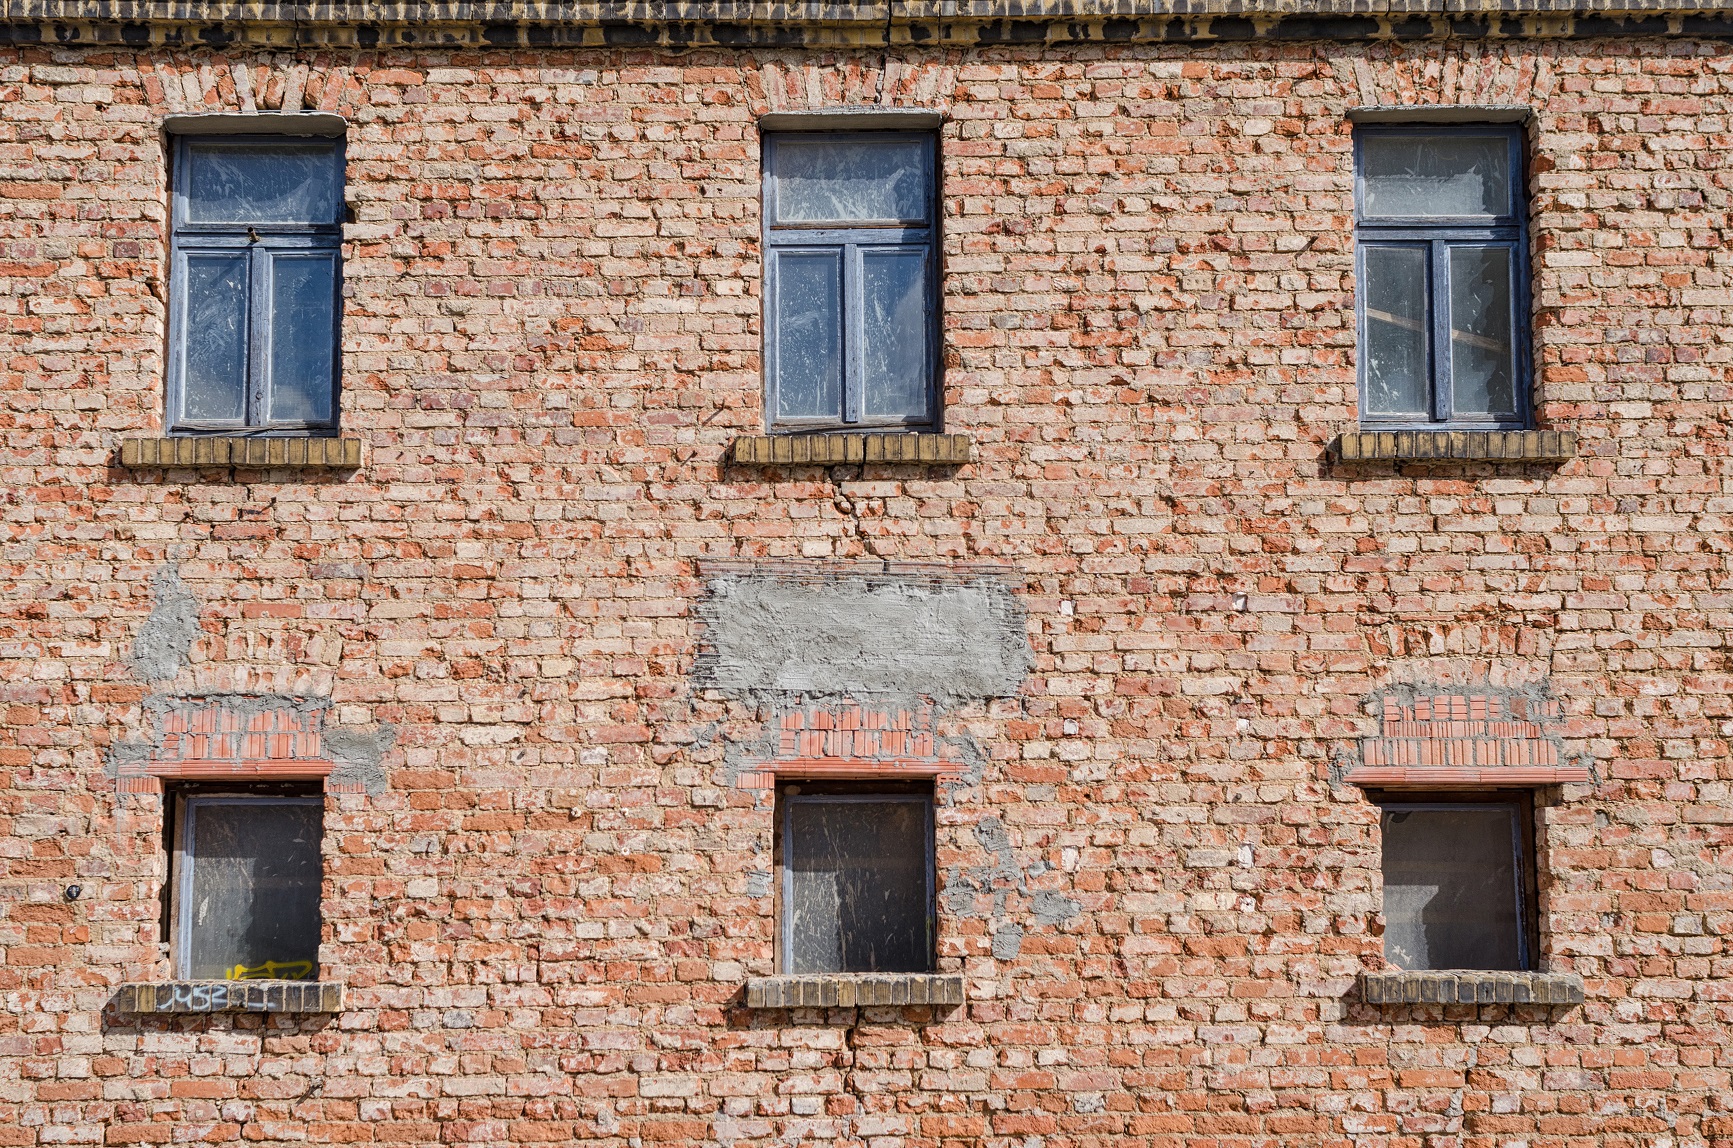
column 1458, row 882
column 857, row 879
column 245, row 884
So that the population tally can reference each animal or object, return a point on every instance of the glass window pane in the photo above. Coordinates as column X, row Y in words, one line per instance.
column 1431, row 176
column 857, row 886
column 808, row 332
column 894, row 351
column 856, row 181
column 303, row 301
column 1396, row 363
column 1450, row 887
column 261, row 183
column 1482, row 349
column 214, row 330
column 252, row 893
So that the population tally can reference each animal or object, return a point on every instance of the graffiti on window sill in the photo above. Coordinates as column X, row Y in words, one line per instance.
column 272, row 971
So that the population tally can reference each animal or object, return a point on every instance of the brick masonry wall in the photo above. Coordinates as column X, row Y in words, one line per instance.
column 544, row 917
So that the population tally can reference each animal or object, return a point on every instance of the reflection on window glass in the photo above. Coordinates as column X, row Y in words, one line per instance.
column 1438, row 175
column 261, row 184
column 1450, row 887
column 1482, row 352
column 856, row 887
column 894, row 336
column 856, row 181
column 250, row 890
column 809, row 334
column 303, row 303
column 215, row 332
column 1397, row 330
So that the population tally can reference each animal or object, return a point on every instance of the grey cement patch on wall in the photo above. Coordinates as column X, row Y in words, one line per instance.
column 857, row 635
column 968, row 888
column 359, row 754
column 163, row 643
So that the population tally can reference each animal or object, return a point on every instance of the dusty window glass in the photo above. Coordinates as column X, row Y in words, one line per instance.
column 1453, row 886
column 808, row 324
column 842, row 179
column 255, row 284
column 247, row 896
column 850, row 321
column 857, row 884
column 1436, row 175
column 261, row 183
column 1441, row 300
column 1395, row 285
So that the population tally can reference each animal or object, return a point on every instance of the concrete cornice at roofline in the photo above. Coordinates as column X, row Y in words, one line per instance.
column 836, row 23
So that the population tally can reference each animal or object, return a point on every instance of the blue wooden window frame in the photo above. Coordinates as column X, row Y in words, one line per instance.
column 265, row 245
column 1436, row 237
column 790, row 803
column 848, row 242
column 186, row 861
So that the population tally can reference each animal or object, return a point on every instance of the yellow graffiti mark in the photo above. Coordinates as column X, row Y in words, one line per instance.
column 273, row 971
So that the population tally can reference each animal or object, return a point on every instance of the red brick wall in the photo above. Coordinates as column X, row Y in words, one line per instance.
column 551, row 335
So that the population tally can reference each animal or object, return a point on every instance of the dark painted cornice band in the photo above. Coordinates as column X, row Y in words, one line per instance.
column 681, row 24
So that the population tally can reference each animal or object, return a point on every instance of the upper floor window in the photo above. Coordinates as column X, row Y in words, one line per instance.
column 254, row 284
column 1443, row 271
column 851, row 280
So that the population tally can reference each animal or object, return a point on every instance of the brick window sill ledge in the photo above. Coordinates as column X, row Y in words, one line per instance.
column 1456, row 446
column 241, row 450
column 230, row 996
column 834, row 449
column 1467, row 986
column 854, row 990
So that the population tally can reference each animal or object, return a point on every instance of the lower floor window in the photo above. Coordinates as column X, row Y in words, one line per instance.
column 245, row 886
column 1458, row 881
column 857, row 879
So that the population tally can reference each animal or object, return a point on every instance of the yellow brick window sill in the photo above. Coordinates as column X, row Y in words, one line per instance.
column 1456, row 446
column 241, row 450
column 855, row 990
column 1470, row 986
column 230, row 996
column 834, row 449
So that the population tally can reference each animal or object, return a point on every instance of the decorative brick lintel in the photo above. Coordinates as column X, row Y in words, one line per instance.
column 1454, row 777
column 1451, row 986
column 1456, row 446
column 230, row 996
column 832, row 449
column 854, row 990
column 241, row 450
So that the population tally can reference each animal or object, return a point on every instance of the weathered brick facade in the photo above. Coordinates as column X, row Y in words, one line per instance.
column 547, row 831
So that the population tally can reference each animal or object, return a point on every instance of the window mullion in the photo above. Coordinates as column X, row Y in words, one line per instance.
column 258, row 335
column 1438, row 283
column 853, row 325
